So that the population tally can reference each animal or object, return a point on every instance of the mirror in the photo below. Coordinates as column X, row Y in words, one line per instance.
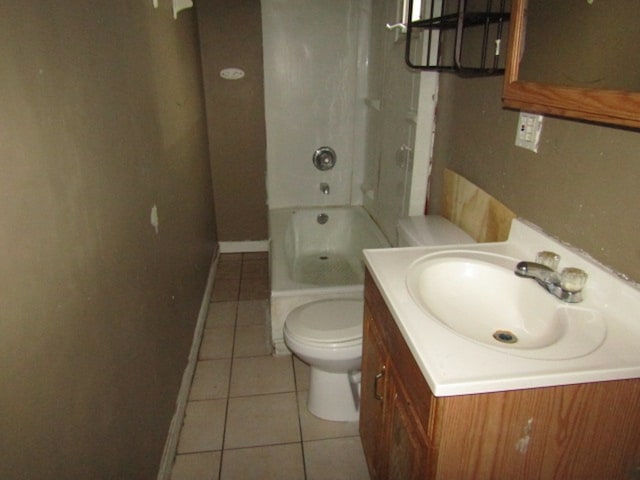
column 552, row 73
column 598, row 48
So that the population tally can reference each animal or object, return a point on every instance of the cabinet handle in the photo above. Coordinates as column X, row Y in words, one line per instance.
column 377, row 378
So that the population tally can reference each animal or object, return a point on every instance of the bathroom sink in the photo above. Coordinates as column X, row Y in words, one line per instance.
column 477, row 295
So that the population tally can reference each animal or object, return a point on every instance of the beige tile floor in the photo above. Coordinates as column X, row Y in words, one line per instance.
column 246, row 417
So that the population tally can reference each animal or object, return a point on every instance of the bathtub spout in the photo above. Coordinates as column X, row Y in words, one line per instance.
column 324, row 188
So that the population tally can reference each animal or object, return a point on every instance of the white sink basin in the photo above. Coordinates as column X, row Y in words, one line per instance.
column 448, row 301
column 476, row 295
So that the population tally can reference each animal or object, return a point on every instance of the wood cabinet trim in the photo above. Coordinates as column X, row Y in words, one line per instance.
column 402, row 363
column 603, row 106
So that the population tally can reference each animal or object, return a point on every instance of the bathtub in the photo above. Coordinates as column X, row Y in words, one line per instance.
column 311, row 260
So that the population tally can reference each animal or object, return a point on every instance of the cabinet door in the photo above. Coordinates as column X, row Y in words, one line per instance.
column 372, row 398
column 409, row 455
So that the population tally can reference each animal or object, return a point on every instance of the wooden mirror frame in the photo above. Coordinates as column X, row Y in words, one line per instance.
column 603, row 106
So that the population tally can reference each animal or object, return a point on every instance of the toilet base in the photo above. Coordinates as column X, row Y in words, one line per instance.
column 331, row 396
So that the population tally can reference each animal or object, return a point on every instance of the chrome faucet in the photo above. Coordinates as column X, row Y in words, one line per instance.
column 567, row 285
column 324, row 188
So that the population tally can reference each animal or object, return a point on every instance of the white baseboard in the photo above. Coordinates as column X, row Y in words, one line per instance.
column 171, row 444
column 246, row 246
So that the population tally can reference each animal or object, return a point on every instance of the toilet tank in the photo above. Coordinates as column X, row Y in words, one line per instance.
column 428, row 230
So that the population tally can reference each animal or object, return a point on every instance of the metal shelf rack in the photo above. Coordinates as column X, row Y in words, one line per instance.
column 461, row 36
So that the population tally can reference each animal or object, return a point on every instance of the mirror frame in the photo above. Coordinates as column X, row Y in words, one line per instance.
column 604, row 106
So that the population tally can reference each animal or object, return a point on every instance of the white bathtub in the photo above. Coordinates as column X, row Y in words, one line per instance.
column 312, row 261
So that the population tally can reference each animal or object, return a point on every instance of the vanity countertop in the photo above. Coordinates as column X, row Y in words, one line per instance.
column 455, row 365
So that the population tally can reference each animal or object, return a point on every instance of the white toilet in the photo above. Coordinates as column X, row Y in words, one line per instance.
column 327, row 334
column 430, row 230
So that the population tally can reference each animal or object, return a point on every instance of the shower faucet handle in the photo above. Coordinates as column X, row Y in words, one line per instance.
column 324, row 158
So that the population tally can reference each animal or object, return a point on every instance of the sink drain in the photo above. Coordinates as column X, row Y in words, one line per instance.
column 324, row 257
column 505, row 336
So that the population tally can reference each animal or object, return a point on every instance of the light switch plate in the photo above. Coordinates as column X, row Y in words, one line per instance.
column 529, row 128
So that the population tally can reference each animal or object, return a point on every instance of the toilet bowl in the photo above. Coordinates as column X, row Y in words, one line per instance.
column 327, row 334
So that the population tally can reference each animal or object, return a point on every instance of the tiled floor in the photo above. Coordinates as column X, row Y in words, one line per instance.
column 246, row 417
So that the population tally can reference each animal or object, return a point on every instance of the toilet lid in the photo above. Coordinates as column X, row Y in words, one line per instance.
column 327, row 321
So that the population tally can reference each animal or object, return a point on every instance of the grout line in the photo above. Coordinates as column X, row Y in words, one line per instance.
column 295, row 387
column 226, row 410
column 252, row 395
column 277, row 444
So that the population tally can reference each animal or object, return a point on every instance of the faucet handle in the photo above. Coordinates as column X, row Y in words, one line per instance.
column 573, row 279
column 548, row 259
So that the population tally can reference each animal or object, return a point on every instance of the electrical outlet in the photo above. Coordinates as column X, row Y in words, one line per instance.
column 529, row 128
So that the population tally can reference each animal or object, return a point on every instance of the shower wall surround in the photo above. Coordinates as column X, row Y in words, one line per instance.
column 400, row 103
column 335, row 76
column 311, row 82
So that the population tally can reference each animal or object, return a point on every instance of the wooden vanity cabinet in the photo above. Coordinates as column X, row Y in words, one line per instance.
column 395, row 402
column 585, row 431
